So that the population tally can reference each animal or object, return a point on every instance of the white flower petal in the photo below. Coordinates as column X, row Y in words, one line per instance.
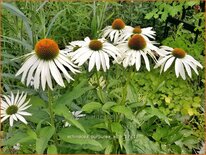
column 21, row 118
column 169, row 63
column 56, row 74
column 146, row 60
column 138, row 60
column 92, row 61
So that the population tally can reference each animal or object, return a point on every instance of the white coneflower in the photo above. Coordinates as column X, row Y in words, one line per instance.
column 73, row 46
column 146, row 32
column 45, row 62
column 182, row 60
column 77, row 115
column 136, row 48
column 115, row 32
column 13, row 107
column 97, row 51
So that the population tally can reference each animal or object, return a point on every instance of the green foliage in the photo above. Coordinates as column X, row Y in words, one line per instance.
column 163, row 10
column 136, row 112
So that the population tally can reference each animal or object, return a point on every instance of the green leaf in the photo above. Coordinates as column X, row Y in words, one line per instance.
column 149, row 15
column 21, row 15
column 75, row 136
column 107, row 106
column 52, row 22
column 44, row 137
column 108, row 149
column 143, row 145
column 156, row 112
column 117, row 128
column 62, row 110
column 123, row 110
column 52, row 149
column 77, row 92
column 32, row 134
column 17, row 137
column 90, row 107
column 160, row 133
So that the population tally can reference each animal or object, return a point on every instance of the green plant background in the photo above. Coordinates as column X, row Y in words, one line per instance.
column 162, row 114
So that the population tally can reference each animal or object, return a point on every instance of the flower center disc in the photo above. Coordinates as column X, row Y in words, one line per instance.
column 118, row 24
column 12, row 110
column 46, row 49
column 178, row 53
column 137, row 30
column 95, row 45
column 137, row 42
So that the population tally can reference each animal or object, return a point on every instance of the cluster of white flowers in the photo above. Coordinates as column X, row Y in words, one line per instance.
column 121, row 43
column 129, row 45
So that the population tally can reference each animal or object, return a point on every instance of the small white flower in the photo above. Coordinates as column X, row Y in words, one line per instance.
column 146, row 32
column 182, row 61
column 98, row 52
column 135, row 48
column 45, row 62
column 115, row 32
column 77, row 115
column 16, row 147
column 73, row 46
column 13, row 107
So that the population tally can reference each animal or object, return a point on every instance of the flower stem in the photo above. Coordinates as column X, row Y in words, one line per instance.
column 124, row 89
column 99, row 88
column 52, row 116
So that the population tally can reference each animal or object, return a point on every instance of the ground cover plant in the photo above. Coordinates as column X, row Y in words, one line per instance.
column 99, row 77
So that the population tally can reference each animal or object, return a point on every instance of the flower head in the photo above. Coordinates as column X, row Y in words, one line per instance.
column 182, row 61
column 98, row 51
column 13, row 107
column 145, row 32
column 115, row 32
column 136, row 47
column 45, row 62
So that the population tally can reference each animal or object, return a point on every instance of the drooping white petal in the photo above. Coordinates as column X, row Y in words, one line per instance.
column 102, row 59
column 169, row 63
column 177, row 67
column 146, row 60
column 11, row 121
column 56, row 74
column 37, row 75
column 21, row 118
column 97, row 58
column 91, row 61
column 4, row 118
column 187, row 67
column 27, row 65
column 106, row 59
column 182, row 71
column 31, row 71
column 61, row 67
column 43, row 75
column 138, row 60
column 24, row 113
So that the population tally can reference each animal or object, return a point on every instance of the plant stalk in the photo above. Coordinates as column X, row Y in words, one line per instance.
column 52, row 116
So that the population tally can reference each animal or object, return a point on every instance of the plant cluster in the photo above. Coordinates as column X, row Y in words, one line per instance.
column 101, row 92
